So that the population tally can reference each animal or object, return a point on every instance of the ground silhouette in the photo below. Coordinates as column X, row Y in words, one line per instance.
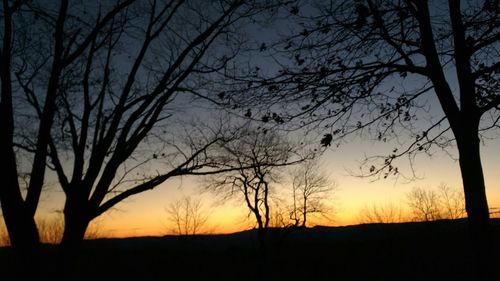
column 402, row 251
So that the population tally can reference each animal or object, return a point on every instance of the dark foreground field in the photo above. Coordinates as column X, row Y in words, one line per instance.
column 409, row 251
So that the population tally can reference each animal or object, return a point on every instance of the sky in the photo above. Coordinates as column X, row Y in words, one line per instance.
column 145, row 214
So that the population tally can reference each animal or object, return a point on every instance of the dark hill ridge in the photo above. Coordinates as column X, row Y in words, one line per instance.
column 317, row 234
column 405, row 251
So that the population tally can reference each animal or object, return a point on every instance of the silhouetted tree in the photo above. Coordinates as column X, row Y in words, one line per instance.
column 280, row 215
column 187, row 216
column 257, row 154
column 363, row 65
column 311, row 189
column 39, row 44
column 452, row 202
column 382, row 213
column 110, row 118
column 429, row 204
column 127, row 119
column 424, row 204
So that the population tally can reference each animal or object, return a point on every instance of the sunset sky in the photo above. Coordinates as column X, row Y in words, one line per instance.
column 145, row 213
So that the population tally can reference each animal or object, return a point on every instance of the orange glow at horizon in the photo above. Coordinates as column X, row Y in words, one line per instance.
column 145, row 215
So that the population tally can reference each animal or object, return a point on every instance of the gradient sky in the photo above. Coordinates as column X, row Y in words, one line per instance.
column 145, row 214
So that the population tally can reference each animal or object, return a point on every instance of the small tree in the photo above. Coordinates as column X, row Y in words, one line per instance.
column 279, row 215
column 187, row 216
column 452, row 202
column 424, row 204
column 384, row 213
column 257, row 156
column 430, row 205
column 311, row 190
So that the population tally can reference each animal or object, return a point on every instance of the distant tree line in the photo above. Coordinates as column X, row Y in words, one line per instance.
column 421, row 204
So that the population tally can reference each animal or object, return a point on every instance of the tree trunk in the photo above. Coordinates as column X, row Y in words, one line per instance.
column 23, row 233
column 75, row 224
column 476, row 204
column 74, row 232
column 21, row 226
column 304, row 212
column 19, row 221
column 261, row 231
column 76, row 221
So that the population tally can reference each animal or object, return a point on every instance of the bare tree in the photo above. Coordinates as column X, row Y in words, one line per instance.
column 429, row 205
column 311, row 191
column 279, row 215
column 257, row 155
column 452, row 202
column 116, row 99
column 424, row 204
column 188, row 216
column 384, row 213
column 39, row 43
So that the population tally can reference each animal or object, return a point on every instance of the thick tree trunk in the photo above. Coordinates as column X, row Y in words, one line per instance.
column 74, row 232
column 21, row 226
column 23, row 233
column 19, row 221
column 76, row 221
column 476, row 204
column 75, row 224
column 24, row 239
